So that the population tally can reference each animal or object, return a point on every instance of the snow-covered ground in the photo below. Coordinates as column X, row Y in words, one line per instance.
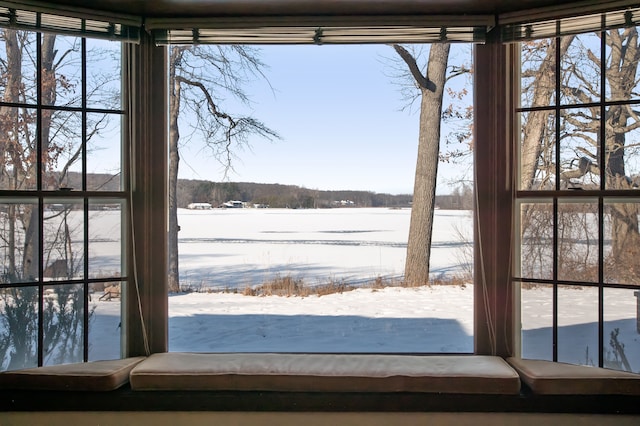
column 235, row 249
column 238, row 248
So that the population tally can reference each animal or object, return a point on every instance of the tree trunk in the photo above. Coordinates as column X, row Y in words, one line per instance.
column 536, row 132
column 420, row 230
column 625, row 235
column 10, row 148
column 174, row 160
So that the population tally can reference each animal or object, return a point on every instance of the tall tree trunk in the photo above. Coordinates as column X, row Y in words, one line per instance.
column 420, row 229
column 48, row 97
column 621, row 72
column 9, row 150
column 536, row 132
column 174, row 160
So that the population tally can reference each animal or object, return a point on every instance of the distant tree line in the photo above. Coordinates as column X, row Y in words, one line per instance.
column 280, row 196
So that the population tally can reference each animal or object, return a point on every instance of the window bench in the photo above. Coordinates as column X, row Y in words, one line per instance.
column 316, row 382
column 325, row 373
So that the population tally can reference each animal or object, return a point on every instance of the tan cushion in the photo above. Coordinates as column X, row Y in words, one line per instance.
column 325, row 373
column 547, row 377
column 85, row 376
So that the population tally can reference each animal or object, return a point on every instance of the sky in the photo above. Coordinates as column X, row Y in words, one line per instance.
column 339, row 112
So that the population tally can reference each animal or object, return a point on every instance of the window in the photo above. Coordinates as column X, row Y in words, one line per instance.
column 577, row 198
column 318, row 266
column 63, row 196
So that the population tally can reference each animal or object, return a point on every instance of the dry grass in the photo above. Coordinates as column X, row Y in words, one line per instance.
column 288, row 286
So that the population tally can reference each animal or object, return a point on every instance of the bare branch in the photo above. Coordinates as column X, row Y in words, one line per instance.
column 421, row 80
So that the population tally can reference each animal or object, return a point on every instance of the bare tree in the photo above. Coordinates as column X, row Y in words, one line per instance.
column 22, row 128
column 431, row 86
column 581, row 141
column 202, row 80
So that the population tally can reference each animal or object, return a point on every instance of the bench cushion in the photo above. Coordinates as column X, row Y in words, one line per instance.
column 557, row 378
column 325, row 373
column 85, row 376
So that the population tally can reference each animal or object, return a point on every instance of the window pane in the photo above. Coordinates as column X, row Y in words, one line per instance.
column 321, row 267
column 537, row 150
column 18, row 60
column 622, row 147
column 578, row 241
column 621, row 328
column 538, row 81
column 19, row 328
column 105, row 239
column 579, row 148
column 105, row 329
column 63, row 240
column 104, row 69
column 622, row 71
column 578, row 325
column 62, row 168
column 536, row 240
column 61, row 70
column 622, row 242
column 19, row 242
column 537, row 321
column 63, row 321
column 580, row 67
column 104, row 152
column 18, row 148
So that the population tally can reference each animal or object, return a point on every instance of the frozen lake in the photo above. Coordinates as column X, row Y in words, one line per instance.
column 235, row 248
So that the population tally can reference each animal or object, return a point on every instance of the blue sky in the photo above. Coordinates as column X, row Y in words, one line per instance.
column 339, row 113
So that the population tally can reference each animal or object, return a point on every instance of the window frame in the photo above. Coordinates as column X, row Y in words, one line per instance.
column 82, row 196
column 558, row 195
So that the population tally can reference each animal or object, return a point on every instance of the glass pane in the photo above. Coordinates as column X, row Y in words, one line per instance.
column 578, row 241
column 104, row 152
column 62, row 168
column 538, row 81
column 104, row 70
column 105, row 330
column 105, row 239
column 18, row 148
column 621, row 329
column 63, row 322
column 537, row 321
column 578, row 325
column 18, row 52
column 623, row 148
column 61, row 70
column 622, row 242
column 63, row 240
column 579, row 148
column 537, row 150
column 18, row 241
column 18, row 328
column 622, row 71
column 335, row 234
column 580, row 65
column 536, row 240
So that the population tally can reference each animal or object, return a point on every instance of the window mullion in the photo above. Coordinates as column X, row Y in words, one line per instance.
column 602, row 159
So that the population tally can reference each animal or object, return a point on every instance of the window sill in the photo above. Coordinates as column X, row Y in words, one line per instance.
column 339, row 383
column 126, row 399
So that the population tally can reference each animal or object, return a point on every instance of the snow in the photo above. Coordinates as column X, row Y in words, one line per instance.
column 238, row 248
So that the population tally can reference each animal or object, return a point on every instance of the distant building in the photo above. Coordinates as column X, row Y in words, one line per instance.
column 233, row 205
column 199, row 206
column 344, row 203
